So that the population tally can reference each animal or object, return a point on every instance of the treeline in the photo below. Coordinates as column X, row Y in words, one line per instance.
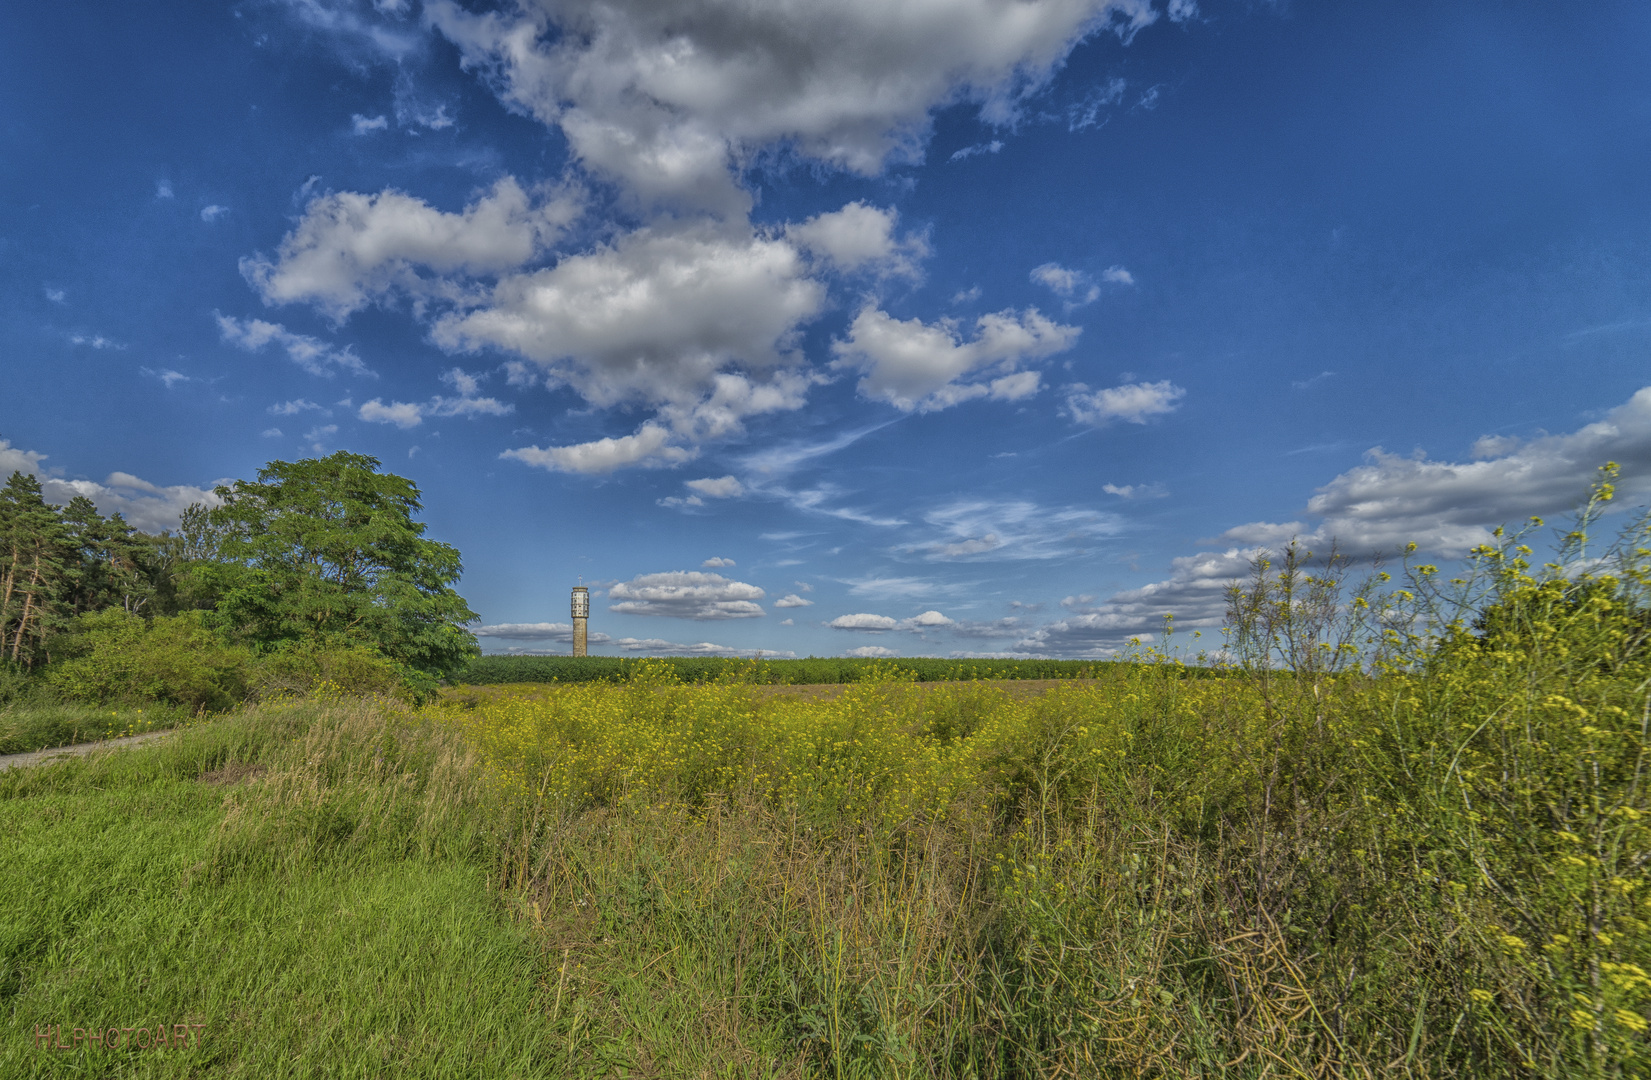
column 57, row 563
column 315, row 572
column 489, row 670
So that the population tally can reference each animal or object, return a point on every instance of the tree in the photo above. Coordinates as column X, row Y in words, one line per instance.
column 116, row 565
column 326, row 550
column 35, row 570
column 181, row 560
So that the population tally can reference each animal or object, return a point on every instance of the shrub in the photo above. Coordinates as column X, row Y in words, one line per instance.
column 339, row 667
column 17, row 687
column 114, row 656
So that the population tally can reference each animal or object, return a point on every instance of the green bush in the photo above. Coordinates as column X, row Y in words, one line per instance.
column 340, row 668
column 114, row 656
column 17, row 687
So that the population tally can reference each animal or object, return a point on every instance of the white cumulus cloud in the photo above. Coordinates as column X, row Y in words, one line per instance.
column 718, row 487
column 650, row 445
column 94, row 341
column 1071, row 285
column 295, row 406
column 696, row 322
column 670, row 99
column 351, row 249
column 147, row 506
column 861, row 237
column 918, row 366
column 687, row 594
column 1135, row 491
column 1448, row 507
column 863, row 621
column 791, row 600
column 167, row 376
column 1132, row 402
column 402, row 414
column 468, row 403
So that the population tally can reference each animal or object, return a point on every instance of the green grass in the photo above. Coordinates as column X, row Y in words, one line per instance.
column 129, row 897
column 311, row 883
column 813, row 670
column 26, row 727
column 1437, row 864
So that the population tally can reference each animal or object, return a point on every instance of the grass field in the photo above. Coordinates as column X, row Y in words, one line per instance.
column 663, row 879
column 1430, row 863
column 271, row 877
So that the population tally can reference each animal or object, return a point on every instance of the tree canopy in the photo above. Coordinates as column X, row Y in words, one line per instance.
column 327, row 549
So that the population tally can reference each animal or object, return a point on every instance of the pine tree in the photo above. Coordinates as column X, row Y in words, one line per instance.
column 116, row 564
column 36, row 570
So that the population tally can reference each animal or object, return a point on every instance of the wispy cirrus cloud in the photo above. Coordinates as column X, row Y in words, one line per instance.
column 312, row 354
column 95, row 341
column 974, row 530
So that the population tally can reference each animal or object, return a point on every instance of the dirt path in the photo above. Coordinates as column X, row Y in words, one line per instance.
column 35, row 757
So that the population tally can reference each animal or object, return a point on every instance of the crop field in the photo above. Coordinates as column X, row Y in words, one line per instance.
column 490, row 670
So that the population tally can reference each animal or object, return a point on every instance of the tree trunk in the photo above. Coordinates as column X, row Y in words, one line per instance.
column 5, row 594
column 28, row 604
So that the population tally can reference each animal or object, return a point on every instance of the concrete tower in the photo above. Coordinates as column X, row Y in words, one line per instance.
column 581, row 618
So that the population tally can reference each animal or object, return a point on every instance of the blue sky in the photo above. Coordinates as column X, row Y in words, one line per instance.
column 942, row 327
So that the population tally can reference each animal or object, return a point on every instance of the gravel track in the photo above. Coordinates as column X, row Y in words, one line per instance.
column 36, row 757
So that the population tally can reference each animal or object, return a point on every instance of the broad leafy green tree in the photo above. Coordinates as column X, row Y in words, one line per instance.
column 326, row 550
column 179, row 559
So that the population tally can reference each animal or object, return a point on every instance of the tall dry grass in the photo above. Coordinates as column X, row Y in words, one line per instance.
column 1403, row 833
